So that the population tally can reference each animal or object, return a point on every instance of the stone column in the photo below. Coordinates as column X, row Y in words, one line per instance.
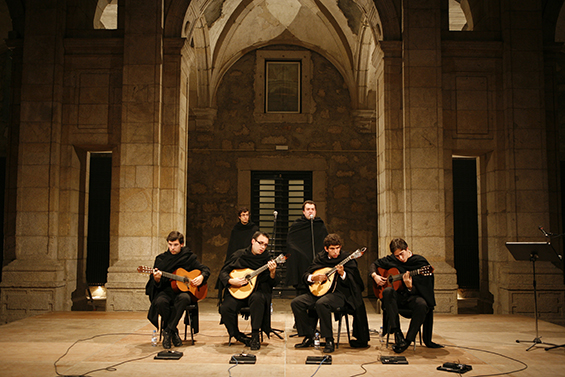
column 525, row 180
column 135, row 237
column 34, row 282
column 425, row 159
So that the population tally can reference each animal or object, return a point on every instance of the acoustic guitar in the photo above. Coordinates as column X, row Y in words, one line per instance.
column 319, row 289
column 394, row 278
column 251, row 276
column 180, row 281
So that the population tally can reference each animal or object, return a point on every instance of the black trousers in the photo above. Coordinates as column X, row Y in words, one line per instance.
column 171, row 308
column 306, row 322
column 392, row 301
column 257, row 303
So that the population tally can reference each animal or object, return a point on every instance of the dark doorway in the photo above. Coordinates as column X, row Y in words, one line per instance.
column 98, row 239
column 465, row 223
column 283, row 192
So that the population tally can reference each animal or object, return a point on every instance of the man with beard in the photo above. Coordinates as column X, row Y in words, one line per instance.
column 304, row 241
column 259, row 300
column 418, row 296
column 165, row 300
column 346, row 291
column 242, row 233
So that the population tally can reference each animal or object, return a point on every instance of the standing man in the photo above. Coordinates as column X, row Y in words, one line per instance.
column 304, row 241
column 165, row 300
column 418, row 296
column 242, row 233
column 346, row 291
column 259, row 300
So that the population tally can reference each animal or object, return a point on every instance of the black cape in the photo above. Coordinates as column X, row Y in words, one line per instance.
column 424, row 284
column 244, row 258
column 240, row 237
column 299, row 245
column 352, row 287
column 169, row 262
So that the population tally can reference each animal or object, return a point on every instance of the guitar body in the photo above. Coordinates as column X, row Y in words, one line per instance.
column 319, row 289
column 198, row 293
column 387, row 274
column 244, row 291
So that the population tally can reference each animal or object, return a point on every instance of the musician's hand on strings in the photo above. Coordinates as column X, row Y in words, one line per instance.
column 272, row 268
column 197, row 280
column 407, row 278
column 340, row 270
column 238, row 282
column 157, row 275
column 320, row 278
column 379, row 279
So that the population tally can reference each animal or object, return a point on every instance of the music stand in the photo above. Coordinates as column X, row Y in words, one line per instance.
column 533, row 251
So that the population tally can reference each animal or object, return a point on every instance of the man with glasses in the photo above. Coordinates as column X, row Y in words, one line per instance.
column 248, row 260
column 416, row 294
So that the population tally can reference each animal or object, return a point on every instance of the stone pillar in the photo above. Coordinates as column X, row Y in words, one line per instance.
column 135, row 237
column 34, row 282
column 525, row 179
column 424, row 191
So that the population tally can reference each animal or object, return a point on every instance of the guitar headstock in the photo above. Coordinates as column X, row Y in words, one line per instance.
column 281, row 258
column 358, row 253
column 426, row 270
column 144, row 270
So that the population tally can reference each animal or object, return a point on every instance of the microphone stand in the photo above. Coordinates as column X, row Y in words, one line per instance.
column 272, row 252
column 312, row 231
column 549, row 236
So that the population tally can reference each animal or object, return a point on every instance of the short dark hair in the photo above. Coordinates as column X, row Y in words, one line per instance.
column 259, row 233
column 333, row 239
column 241, row 210
column 308, row 202
column 397, row 244
column 176, row 235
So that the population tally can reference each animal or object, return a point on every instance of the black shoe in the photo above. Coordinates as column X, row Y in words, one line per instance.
column 306, row 343
column 255, row 344
column 329, row 348
column 354, row 343
column 398, row 338
column 166, row 339
column 399, row 348
column 433, row 345
column 177, row 342
column 241, row 337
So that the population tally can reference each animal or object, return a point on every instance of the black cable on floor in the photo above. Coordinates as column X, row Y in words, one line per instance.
column 110, row 368
column 497, row 354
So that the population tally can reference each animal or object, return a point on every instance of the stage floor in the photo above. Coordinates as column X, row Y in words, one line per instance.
column 80, row 342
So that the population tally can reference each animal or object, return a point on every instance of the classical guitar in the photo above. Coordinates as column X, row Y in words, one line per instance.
column 180, row 281
column 321, row 288
column 251, row 276
column 394, row 278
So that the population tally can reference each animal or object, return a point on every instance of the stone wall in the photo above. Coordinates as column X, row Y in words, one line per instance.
column 349, row 198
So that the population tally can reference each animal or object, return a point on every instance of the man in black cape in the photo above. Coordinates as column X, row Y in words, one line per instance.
column 417, row 296
column 166, row 301
column 299, row 245
column 259, row 301
column 242, row 233
column 346, row 292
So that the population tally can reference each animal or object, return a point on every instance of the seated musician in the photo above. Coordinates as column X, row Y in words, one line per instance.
column 346, row 293
column 259, row 300
column 416, row 294
column 165, row 300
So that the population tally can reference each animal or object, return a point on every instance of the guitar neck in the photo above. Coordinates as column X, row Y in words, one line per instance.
column 412, row 273
column 174, row 277
column 258, row 271
column 333, row 270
